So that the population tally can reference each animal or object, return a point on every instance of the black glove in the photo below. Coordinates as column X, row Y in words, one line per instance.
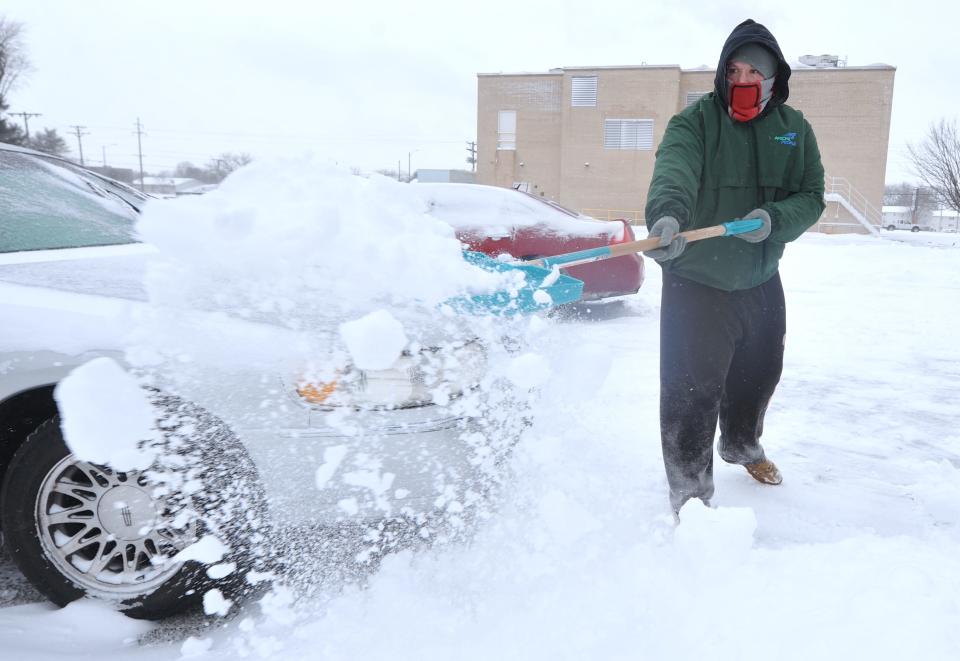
column 671, row 243
column 757, row 235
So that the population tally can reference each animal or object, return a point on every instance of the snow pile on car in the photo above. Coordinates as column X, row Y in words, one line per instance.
column 303, row 245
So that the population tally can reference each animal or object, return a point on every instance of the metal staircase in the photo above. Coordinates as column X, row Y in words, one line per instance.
column 839, row 190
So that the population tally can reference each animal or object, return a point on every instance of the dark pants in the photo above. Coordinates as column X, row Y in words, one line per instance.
column 721, row 355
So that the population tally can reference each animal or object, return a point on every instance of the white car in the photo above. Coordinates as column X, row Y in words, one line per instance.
column 71, row 287
column 903, row 225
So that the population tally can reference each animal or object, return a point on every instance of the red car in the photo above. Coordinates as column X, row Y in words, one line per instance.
column 495, row 220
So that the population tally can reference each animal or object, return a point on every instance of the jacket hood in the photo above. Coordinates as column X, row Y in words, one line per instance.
column 752, row 32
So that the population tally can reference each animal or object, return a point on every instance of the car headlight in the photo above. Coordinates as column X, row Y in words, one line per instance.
column 429, row 376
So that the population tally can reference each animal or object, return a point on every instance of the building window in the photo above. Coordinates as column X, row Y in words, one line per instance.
column 628, row 134
column 583, row 91
column 507, row 130
column 693, row 97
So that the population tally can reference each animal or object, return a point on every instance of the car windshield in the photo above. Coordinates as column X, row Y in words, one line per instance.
column 555, row 205
column 46, row 204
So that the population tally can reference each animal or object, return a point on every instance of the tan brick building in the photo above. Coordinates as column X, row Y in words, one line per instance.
column 586, row 137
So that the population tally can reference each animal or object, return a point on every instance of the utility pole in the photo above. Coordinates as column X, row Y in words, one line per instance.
column 80, row 133
column 140, row 151
column 103, row 151
column 26, row 120
column 409, row 170
column 472, row 158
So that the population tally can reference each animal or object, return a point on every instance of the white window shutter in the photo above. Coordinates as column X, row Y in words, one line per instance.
column 507, row 130
column 611, row 134
column 628, row 134
column 583, row 91
column 644, row 133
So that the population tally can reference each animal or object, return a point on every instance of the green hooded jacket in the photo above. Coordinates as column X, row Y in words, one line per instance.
column 711, row 169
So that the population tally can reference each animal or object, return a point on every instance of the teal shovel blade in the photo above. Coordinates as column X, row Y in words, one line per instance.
column 526, row 299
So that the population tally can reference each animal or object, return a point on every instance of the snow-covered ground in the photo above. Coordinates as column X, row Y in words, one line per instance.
column 855, row 556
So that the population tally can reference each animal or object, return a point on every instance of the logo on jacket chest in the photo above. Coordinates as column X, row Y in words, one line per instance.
column 788, row 139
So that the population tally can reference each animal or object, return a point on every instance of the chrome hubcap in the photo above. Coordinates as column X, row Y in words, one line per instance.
column 105, row 531
column 128, row 513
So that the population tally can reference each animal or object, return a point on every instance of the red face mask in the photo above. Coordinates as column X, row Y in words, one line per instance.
column 745, row 101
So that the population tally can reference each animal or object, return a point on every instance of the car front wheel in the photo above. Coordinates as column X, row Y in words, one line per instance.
column 76, row 529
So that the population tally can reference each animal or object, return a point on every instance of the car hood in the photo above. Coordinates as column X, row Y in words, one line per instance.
column 110, row 271
column 94, row 299
column 76, row 299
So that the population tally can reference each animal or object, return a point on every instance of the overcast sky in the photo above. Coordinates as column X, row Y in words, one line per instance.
column 380, row 84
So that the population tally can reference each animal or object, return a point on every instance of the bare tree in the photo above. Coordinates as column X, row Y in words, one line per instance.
column 215, row 171
column 922, row 200
column 13, row 57
column 936, row 160
column 190, row 171
column 226, row 163
column 13, row 64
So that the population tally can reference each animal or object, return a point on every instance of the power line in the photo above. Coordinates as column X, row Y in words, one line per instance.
column 305, row 137
column 239, row 141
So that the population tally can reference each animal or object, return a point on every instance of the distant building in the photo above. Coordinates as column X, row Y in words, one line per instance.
column 445, row 176
column 586, row 137
column 945, row 220
column 125, row 175
column 173, row 186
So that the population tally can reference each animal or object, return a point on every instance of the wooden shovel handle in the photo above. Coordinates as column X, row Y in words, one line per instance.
column 729, row 228
column 652, row 243
column 567, row 260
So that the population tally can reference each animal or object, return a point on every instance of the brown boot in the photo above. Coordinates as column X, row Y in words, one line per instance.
column 765, row 471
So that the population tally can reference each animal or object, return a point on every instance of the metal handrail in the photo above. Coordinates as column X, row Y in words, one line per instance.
column 842, row 186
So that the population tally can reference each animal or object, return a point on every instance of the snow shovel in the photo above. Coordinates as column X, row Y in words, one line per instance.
column 544, row 286
column 568, row 259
